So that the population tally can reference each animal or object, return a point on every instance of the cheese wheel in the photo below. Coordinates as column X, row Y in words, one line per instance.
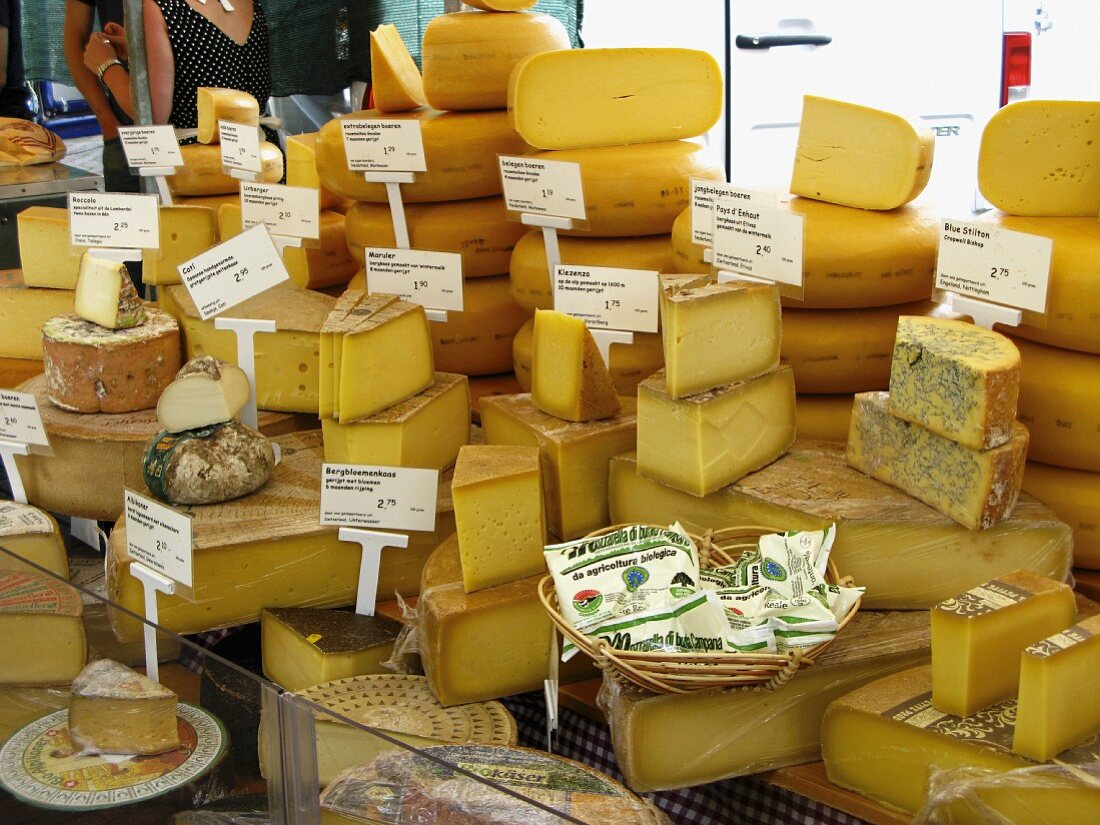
column 478, row 341
column 202, row 172
column 92, row 369
column 479, row 230
column 630, row 365
column 846, row 350
column 322, row 262
column 823, row 417
column 224, row 104
column 460, row 149
column 468, row 56
column 686, row 254
column 530, row 276
column 301, row 170
column 1075, row 496
column 396, row 84
column 1060, row 405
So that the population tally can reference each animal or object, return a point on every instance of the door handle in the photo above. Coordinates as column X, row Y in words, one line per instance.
column 768, row 41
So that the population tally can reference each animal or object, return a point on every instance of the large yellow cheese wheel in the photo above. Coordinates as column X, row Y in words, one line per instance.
column 530, row 276
column 686, row 254
column 1060, row 404
column 1075, row 496
column 301, row 170
column 480, row 230
column 823, row 417
column 460, row 149
column 846, row 350
column 469, row 56
column 202, row 170
column 638, row 189
column 630, row 365
column 1073, row 303
column 478, row 341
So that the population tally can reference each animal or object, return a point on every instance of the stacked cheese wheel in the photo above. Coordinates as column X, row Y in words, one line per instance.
column 1038, row 165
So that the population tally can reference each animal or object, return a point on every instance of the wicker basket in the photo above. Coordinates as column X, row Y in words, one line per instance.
column 685, row 672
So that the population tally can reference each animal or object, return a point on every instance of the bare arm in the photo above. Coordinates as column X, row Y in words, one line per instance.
column 77, row 29
column 162, row 64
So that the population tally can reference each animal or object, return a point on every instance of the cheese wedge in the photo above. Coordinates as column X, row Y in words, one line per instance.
column 569, row 378
column 117, row 710
column 185, row 231
column 396, row 84
column 105, row 295
column 205, row 391
column 323, row 262
column 224, row 104
column 301, row 170
column 46, row 253
column 33, row 607
column 28, row 534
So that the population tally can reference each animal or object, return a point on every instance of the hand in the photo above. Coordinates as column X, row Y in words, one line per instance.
column 98, row 51
column 116, row 36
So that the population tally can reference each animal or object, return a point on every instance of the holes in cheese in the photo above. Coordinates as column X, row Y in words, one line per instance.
column 1075, row 496
column 478, row 341
column 301, row 169
column 460, row 149
column 202, row 172
column 857, row 156
column 574, row 98
column 115, row 709
column 45, row 252
column 205, row 391
column 224, row 104
column 569, row 379
column 1042, row 157
column 32, row 535
column 34, row 607
column 396, row 84
column 185, row 231
column 105, row 295
column 468, row 56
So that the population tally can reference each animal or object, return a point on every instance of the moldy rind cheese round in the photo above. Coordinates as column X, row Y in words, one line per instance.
column 93, row 369
column 460, row 149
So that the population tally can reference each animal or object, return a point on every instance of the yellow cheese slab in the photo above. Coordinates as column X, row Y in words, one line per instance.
column 324, row 262
column 396, row 84
column 301, row 170
column 572, row 99
column 224, row 104
column 857, row 156
column 701, row 443
column 569, row 379
column 23, row 311
column 1042, row 157
column 468, row 56
column 46, row 254
column 1075, row 496
column 478, row 340
column 31, row 535
column 887, row 541
column 35, row 607
column 185, row 231
column 202, row 172
column 823, row 417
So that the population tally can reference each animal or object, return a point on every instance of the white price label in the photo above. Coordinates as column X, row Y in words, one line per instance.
column 20, row 420
column 150, row 146
column 232, row 272
column 159, row 537
column 999, row 265
column 384, row 145
column 284, row 210
column 240, row 147
column 704, row 194
column 543, row 187
column 761, row 241
column 114, row 220
column 392, row 498
column 431, row 279
column 608, row 297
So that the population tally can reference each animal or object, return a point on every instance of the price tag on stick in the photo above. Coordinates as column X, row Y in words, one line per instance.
column 608, row 297
column 432, row 279
column 233, row 272
column 159, row 537
column 240, row 146
column 392, row 498
column 114, row 220
column 384, row 145
column 284, row 210
column 150, row 147
column 758, row 241
column 20, row 419
column 542, row 187
column 705, row 193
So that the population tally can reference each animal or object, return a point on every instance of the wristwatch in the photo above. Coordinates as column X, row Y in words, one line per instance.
column 106, row 64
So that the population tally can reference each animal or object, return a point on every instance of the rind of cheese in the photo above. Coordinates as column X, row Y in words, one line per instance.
column 185, row 231
column 36, row 606
column 202, row 172
column 1075, row 496
column 478, row 341
column 857, row 156
column 323, row 262
column 205, row 391
column 955, row 379
column 468, row 56
column 701, row 443
column 977, row 488
column 823, row 417
column 396, row 84
column 224, row 104
column 115, row 709
column 460, row 149
column 31, row 535
column 1042, row 157
column 576, row 98
column 569, row 379
column 92, row 369
column 46, row 253
column 105, row 295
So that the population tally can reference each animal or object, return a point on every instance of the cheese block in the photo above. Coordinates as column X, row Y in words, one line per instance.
column 844, row 351
column 304, row 646
column 1058, row 404
column 885, row 540
column 1042, row 157
column 572, row 99
column 857, row 156
column 396, row 84
column 500, row 514
column 501, row 5
column 468, row 56
column 117, row 710
column 301, row 170
column 1059, row 703
column 460, row 150
column 478, row 341
column 28, row 534
column 574, row 457
column 202, row 172
column 93, row 369
column 666, row 742
column 224, row 104
column 426, row 430
column 35, row 607
column 331, row 345
column 46, row 253
column 322, row 262
column 638, row 189
column 105, row 295
column 230, row 221
column 703, row 442
column 977, row 488
column 885, row 739
column 269, row 550
column 185, row 231
column 978, row 636
column 530, row 277
column 287, row 361
column 1075, row 496
column 569, row 379
column 822, row 417
column 716, row 334
column 479, row 230
column 23, row 311
column 205, row 391
column 629, row 364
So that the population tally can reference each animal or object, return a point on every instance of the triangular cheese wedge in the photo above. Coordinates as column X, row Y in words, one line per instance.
column 395, row 79
column 105, row 295
column 117, row 710
column 569, row 377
